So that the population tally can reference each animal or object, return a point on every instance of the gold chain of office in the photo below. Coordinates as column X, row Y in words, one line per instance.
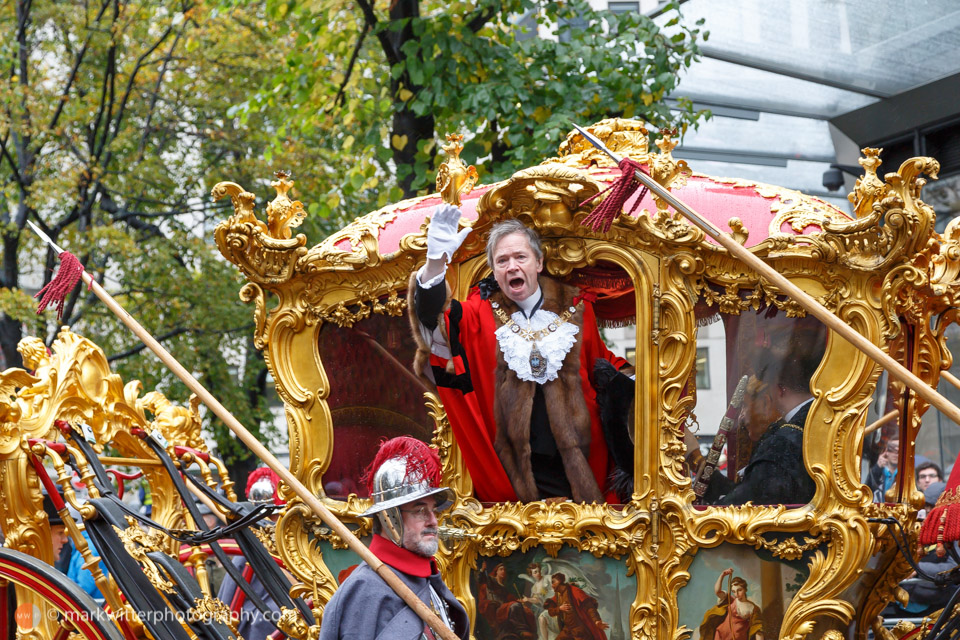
column 528, row 334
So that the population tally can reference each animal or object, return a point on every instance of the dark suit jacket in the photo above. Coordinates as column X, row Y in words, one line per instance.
column 775, row 474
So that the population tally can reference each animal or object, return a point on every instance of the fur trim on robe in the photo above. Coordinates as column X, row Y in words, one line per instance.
column 567, row 411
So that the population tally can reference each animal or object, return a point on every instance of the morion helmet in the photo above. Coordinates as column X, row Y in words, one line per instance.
column 404, row 470
column 262, row 487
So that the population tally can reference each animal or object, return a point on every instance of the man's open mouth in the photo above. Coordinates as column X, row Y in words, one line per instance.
column 516, row 283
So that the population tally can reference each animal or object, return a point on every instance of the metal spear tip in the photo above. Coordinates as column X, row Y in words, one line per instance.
column 592, row 139
column 37, row 230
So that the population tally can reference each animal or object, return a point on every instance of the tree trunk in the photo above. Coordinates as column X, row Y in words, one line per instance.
column 405, row 121
column 10, row 329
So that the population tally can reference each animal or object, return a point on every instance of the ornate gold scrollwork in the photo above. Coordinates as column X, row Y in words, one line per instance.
column 267, row 535
column 291, row 622
column 790, row 548
column 344, row 316
column 267, row 255
column 209, row 609
column 138, row 542
column 667, row 171
column 626, row 137
column 283, row 213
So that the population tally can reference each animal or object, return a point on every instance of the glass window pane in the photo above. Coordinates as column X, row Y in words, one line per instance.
column 373, row 395
column 623, row 7
column 773, row 357
column 893, row 51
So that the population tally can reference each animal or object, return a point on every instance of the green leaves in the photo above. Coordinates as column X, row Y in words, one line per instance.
column 478, row 68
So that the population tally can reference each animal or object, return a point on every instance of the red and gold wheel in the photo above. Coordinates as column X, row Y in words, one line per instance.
column 37, row 601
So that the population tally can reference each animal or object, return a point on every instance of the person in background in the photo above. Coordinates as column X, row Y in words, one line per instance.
column 927, row 473
column 262, row 487
column 776, row 473
column 58, row 531
column 925, row 596
column 882, row 476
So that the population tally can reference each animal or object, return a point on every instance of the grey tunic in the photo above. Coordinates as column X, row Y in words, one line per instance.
column 366, row 608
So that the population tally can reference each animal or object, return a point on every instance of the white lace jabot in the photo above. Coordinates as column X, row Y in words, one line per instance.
column 554, row 346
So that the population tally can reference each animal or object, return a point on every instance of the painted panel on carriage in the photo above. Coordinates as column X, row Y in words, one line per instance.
column 531, row 596
column 341, row 562
column 760, row 585
column 373, row 396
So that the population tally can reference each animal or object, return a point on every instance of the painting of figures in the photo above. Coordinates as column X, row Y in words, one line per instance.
column 736, row 593
column 531, row 596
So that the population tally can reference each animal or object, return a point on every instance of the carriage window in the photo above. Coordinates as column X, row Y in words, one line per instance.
column 373, row 395
column 768, row 359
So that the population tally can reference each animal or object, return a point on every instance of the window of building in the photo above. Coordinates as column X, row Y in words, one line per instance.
column 624, row 7
column 703, row 368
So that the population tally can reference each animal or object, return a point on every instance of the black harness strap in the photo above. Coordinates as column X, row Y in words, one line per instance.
column 264, row 567
column 142, row 595
column 185, row 597
column 195, row 538
column 106, row 488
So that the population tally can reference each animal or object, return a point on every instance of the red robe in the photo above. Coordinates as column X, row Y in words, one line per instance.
column 580, row 623
column 471, row 414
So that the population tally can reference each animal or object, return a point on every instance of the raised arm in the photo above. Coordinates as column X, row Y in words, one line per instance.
column 718, row 588
column 443, row 240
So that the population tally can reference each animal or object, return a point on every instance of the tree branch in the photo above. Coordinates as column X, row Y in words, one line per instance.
column 156, row 92
column 9, row 158
column 133, row 77
column 393, row 56
column 74, row 70
column 341, row 93
column 481, row 17
column 140, row 347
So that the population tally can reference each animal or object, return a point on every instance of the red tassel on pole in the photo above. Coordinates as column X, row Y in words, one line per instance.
column 602, row 217
column 62, row 284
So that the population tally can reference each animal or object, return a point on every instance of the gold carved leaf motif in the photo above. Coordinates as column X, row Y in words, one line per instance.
column 266, row 254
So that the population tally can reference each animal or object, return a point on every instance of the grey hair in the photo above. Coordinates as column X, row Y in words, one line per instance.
column 506, row 228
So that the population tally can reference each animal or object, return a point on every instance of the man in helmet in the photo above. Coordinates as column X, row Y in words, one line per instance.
column 403, row 481
column 262, row 485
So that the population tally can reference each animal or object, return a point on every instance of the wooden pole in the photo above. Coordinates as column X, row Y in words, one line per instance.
column 802, row 298
column 205, row 499
column 384, row 571
column 879, row 422
column 949, row 377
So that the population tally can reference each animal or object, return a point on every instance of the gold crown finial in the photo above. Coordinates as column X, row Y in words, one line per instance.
column 455, row 178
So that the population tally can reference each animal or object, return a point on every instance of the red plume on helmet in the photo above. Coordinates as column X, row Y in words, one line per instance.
column 259, row 474
column 423, row 463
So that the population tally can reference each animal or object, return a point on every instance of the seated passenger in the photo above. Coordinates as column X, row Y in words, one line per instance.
column 776, row 473
column 514, row 363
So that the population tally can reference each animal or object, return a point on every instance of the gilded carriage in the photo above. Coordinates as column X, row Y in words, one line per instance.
column 692, row 319
column 330, row 321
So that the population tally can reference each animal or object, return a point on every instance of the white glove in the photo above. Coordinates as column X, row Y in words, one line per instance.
column 442, row 235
